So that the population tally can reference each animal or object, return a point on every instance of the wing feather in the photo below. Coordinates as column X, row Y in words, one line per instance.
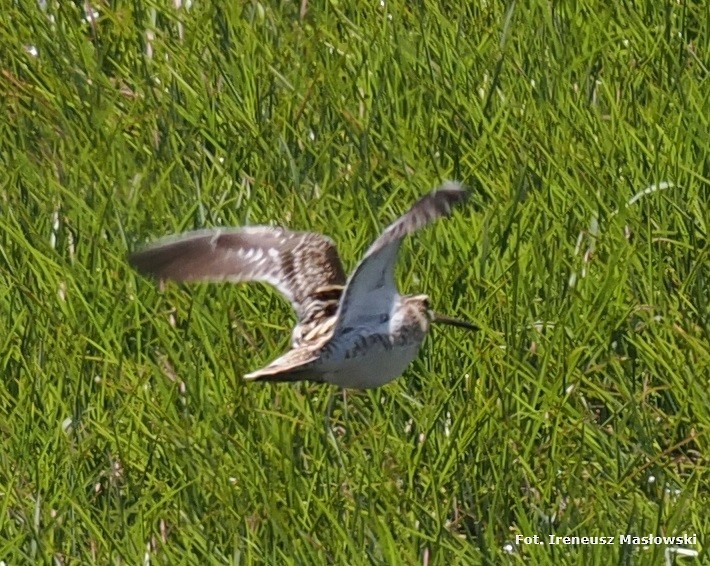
column 303, row 266
column 371, row 289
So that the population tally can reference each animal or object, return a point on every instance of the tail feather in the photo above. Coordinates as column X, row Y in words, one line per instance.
column 294, row 365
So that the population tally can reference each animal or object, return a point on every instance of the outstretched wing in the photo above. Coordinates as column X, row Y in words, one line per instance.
column 371, row 289
column 303, row 266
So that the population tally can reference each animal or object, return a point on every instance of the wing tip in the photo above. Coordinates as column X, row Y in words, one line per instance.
column 452, row 185
column 444, row 198
column 141, row 260
column 454, row 190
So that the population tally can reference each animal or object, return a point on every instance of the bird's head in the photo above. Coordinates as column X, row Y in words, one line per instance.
column 423, row 302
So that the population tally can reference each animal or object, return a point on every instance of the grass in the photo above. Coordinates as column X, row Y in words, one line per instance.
column 579, row 409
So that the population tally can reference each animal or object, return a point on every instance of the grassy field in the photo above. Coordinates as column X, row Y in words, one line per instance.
column 581, row 408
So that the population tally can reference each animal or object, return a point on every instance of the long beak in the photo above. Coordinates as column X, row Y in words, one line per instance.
column 443, row 319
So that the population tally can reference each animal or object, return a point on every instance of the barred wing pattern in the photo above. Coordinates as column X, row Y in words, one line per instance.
column 303, row 266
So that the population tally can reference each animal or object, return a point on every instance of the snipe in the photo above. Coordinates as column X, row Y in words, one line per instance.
column 357, row 332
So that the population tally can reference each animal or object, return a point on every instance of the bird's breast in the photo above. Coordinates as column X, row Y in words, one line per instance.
column 363, row 360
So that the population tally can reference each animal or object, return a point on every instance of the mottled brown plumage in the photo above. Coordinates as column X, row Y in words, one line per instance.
column 356, row 333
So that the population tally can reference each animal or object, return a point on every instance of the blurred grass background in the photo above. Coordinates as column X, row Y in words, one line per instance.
column 581, row 408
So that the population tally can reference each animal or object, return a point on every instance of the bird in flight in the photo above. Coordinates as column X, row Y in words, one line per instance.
column 355, row 332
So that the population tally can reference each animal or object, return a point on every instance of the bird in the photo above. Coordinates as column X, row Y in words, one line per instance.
column 357, row 332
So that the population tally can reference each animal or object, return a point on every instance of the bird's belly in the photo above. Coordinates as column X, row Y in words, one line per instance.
column 365, row 366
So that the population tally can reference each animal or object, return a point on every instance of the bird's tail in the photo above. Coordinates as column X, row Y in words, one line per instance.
column 294, row 365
